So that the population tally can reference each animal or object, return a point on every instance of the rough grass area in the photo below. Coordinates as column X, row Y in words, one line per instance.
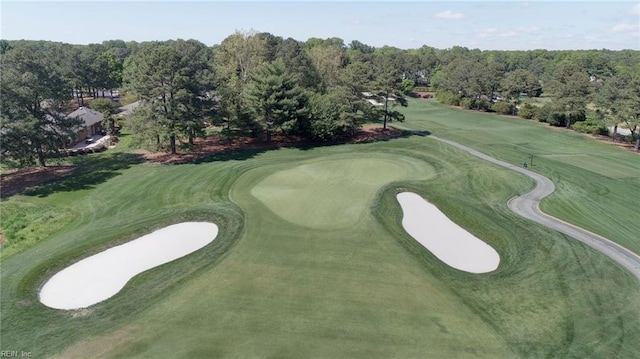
column 271, row 286
column 24, row 224
column 597, row 183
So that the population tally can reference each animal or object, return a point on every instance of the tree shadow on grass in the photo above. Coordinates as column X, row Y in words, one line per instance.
column 89, row 172
column 420, row 133
column 253, row 149
column 234, row 155
column 248, row 153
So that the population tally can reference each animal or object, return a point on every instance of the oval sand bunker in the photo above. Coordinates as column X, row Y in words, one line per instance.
column 445, row 239
column 102, row 275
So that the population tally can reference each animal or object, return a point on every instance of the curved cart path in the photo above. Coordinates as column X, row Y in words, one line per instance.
column 527, row 206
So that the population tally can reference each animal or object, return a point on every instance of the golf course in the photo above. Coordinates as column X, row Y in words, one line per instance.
column 311, row 258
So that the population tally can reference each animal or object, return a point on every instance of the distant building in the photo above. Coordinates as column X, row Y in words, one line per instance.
column 91, row 122
column 125, row 111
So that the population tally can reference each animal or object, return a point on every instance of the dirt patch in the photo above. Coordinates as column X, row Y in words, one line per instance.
column 424, row 94
column 211, row 145
column 25, row 178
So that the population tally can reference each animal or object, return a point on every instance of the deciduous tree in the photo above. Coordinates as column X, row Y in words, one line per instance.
column 327, row 60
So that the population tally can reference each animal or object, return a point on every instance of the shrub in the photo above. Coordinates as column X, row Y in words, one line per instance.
column 503, row 108
column 448, row 98
column 591, row 126
column 407, row 86
column 554, row 116
column 528, row 111
column 475, row 104
column 467, row 103
column 550, row 114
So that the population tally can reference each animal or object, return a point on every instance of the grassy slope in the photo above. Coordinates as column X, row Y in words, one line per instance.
column 597, row 183
column 274, row 288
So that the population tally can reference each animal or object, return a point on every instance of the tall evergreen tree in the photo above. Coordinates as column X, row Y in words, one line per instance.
column 388, row 89
column 620, row 97
column 175, row 81
column 571, row 89
column 519, row 81
column 276, row 100
column 33, row 91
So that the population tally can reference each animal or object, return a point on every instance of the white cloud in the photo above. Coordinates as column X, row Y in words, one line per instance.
column 509, row 33
column 493, row 32
column 526, row 4
column 592, row 38
column 483, row 34
column 528, row 30
column 624, row 27
column 449, row 15
column 635, row 10
column 355, row 22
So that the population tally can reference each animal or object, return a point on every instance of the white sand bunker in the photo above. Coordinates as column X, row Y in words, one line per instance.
column 445, row 239
column 102, row 275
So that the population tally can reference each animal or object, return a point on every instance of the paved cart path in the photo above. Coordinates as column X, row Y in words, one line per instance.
column 527, row 206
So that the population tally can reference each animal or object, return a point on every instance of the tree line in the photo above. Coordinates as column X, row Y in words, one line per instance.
column 587, row 90
column 258, row 84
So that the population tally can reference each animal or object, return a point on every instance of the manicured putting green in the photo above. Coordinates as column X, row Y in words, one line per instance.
column 333, row 193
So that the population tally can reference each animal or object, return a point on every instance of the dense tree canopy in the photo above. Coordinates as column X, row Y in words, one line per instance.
column 256, row 82
column 174, row 80
column 33, row 90
column 620, row 97
column 571, row 88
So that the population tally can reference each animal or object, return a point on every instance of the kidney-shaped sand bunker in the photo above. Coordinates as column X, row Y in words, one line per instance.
column 102, row 275
column 444, row 238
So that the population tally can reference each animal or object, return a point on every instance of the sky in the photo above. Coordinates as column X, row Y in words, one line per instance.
column 485, row 25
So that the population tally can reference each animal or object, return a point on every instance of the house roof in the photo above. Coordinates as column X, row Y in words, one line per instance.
column 127, row 109
column 88, row 116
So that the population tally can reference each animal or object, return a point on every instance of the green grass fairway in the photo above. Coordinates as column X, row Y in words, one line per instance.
column 597, row 183
column 312, row 262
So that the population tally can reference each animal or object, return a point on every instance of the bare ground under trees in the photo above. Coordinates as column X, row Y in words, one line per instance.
column 26, row 178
